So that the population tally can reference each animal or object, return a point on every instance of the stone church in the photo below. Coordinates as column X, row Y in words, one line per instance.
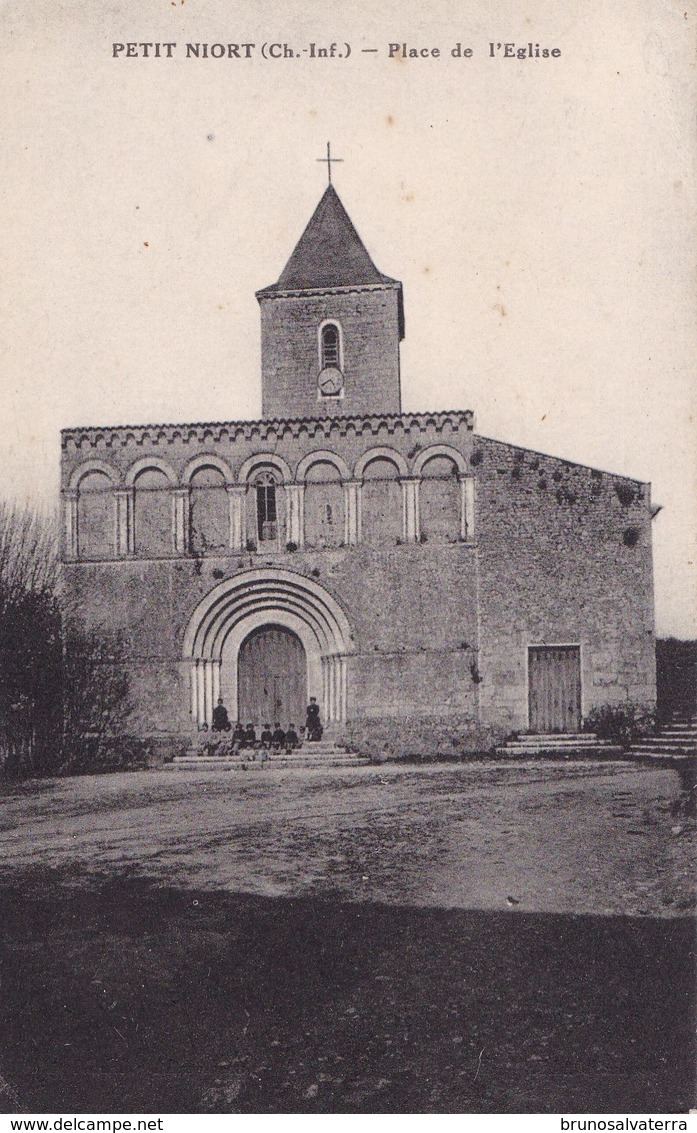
column 392, row 564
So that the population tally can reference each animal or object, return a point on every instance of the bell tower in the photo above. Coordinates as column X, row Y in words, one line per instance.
column 331, row 326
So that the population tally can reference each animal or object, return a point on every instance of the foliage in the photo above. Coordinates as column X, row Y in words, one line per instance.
column 623, row 724
column 62, row 696
column 626, row 493
column 676, row 677
column 30, row 643
column 419, row 738
column 95, row 703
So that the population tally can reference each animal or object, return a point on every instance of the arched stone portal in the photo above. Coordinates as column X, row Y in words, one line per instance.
column 257, row 599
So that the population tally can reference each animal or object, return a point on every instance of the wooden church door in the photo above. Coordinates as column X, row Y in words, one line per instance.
column 272, row 678
column 554, row 688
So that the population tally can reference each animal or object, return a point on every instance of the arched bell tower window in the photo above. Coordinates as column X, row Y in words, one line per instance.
column 267, row 518
column 330, row 381
column 331, row 346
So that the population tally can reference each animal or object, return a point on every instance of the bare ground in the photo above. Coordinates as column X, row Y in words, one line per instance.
column 482, row 938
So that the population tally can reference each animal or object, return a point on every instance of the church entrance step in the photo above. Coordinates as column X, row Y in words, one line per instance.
column 310, row 755
column 570, row 745
column 184, row 764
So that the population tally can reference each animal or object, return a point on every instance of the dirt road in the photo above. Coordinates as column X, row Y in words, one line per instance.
column 577, row 838
column 472, row 939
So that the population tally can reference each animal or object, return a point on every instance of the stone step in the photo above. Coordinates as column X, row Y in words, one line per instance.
column 325, row 747
column 331, row 758
column 552, row 741
column 655, row 745
column 679, row 733
column 276, row 765
column 547, row 736
column 672, row 756
column 661, row 738
column 577, row 751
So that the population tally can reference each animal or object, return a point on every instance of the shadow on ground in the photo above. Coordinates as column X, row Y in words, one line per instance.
column 129, row 998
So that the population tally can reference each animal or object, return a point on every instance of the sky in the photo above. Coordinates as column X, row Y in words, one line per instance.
column 539, row 211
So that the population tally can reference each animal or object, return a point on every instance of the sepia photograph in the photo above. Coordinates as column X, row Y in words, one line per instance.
column 348, row 635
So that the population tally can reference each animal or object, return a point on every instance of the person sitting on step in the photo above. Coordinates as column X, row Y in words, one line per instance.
column 266, row 737
column 250, row 739
column 279, row 737
column 291, row 740
column 225, row 746
column 200, row 743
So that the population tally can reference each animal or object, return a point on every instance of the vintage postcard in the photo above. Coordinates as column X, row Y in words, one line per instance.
column 347, row 528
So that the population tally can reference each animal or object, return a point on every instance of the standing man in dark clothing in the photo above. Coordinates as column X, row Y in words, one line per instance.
column 221, row 720
column 312, row 723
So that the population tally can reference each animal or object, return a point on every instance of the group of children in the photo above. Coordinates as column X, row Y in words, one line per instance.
column 239, row 738
column 245, row 739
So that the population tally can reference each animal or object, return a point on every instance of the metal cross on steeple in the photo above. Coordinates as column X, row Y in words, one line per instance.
column 329, row 159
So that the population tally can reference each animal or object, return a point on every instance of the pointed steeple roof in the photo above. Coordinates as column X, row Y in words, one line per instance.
column 330, row 253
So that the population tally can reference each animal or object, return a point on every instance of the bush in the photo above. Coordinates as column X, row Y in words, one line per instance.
column 30, row 644
column 95, row 704
column 421, row 739
column 63, row 695
column 623, row 724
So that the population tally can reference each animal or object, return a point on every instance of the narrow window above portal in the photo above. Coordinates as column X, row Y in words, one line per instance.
column 267, row 528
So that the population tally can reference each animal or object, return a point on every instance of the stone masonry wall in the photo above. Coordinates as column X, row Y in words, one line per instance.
column 564, row 558
column 562, row 555
column 411, row 656
column 290, row 354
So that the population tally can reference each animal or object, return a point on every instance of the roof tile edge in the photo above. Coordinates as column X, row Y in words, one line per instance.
column 263, row 427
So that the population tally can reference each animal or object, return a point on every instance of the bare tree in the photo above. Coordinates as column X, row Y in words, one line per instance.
column 30, row 641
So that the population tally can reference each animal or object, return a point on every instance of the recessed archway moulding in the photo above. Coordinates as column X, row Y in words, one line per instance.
column 267, row 596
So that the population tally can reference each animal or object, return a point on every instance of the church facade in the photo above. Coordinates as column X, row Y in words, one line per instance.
column 393, row 565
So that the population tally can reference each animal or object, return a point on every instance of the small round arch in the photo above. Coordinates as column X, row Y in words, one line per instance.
column 261, row 459
column 207, row 460
column 322, row 456
column 440, row 450
column 150, row 462
column 92, row 466
column 384, row 452
column 330, row 342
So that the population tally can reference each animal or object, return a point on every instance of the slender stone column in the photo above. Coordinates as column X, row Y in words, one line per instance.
column 208, row 690
column 295, row 510
column 325, row 687
column 334, row 669
column 467, row 508
column 215, row 669
column 352, row 512
column 125, row 535
column 70, row 513
column 193, row 693
column 331, row 715
column 410, row 509
column 236, row 499
column 343, row 703
column 201, row 693
column 181, row 520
